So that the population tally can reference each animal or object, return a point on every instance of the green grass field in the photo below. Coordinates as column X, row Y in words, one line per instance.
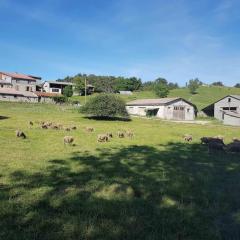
column 154, row 186
column 204, row 97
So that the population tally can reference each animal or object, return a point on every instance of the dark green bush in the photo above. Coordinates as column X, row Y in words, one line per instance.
column 59, row 99
column 105, row 106
column 68, row 91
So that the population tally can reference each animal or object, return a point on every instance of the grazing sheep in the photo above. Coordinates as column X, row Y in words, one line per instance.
column 120, row 134
column 44, row 126
column 110, row 135
column 103, row 138
column 89, row 129
column 20, row 134
column 233, row 147
column 187, row 137
column 215, row 146
column 207, row 140
column 30, row 123
column 55, row 127
column 67, row 129
column 68, row 140
column 129, row 134
column 74, row 128
column 236, row 140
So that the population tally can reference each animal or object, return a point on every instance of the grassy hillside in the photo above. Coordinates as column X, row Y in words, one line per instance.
column 154, row 186
column 205, row 95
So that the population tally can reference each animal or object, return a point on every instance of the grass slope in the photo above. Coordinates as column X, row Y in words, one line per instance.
column 204, row 97
column 153, row 186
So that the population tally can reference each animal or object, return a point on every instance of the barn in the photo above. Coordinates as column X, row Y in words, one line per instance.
column 164, row 108
column 226, row 109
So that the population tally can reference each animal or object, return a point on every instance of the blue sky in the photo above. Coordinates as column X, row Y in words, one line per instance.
column 175, row 39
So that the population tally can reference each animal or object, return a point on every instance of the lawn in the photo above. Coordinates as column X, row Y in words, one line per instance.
column 154, row 186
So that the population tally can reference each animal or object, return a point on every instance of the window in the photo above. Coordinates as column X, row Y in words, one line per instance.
column 188, row 110
column 27, row 89
column 229, row 99
column 55, row 90
column 1, row 85
column 178, row 108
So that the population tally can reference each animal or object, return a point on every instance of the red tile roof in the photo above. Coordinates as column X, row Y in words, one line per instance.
column 45, row 94
column 19, row 76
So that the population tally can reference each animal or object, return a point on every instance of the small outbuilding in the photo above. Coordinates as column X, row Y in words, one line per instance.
column 164, row 108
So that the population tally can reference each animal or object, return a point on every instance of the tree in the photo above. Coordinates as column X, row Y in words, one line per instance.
column 220, row 84
column 105, row 106
column 237, row 85
column 161, row 80
column 79, row 85
column 172, row 86
column 161, row 90
column 68, row 91
column 193, row 85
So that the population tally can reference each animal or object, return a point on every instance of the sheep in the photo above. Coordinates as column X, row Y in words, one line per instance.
column 215, row 146
column 68, row 140
column 30, row 123
column 89, row 129
column 129, row 134
column 233, row 147
column 236, row 139
column 103, row 138
column 110, row 135
column 67, row 129
column 187, row 137
column 56, row 127
column 20, row 134
column 44, row 126
column 120, row 134
column 207, row 140
column 74, row 128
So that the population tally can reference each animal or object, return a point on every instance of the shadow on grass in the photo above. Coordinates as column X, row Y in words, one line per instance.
column 174, row 191
column 109, row 118
column 3, row 117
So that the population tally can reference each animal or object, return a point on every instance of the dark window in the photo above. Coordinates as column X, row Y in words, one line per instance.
column 229, row 99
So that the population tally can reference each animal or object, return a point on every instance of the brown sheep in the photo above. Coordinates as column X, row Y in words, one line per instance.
column 187, row 137
column 67, row 129
column 89, row 129
column 233, row 147
column 215, row 146
column 20, row 134
column 44, row 126
column 207, row 140
column 30, row 123
column 103, row 138
column 68, row 140
column 74, row 128
column 120, row 134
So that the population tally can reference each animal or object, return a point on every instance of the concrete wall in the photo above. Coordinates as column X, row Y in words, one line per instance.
column 47, row 88
column 218, row 107
column 231, row 120
column 12, row 98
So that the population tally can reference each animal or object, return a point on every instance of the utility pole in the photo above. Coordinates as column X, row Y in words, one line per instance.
column 85, row 90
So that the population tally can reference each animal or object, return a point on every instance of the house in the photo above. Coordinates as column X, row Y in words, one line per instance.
column 164, row 108
column 55, row 86
column 226, row 109
column 20, row 82
column 10, row 94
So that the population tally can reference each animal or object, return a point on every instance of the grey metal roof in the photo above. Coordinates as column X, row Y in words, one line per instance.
column 235, row 96
column 60, row 83
column 152, row 102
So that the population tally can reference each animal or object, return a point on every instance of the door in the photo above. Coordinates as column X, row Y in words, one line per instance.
column 179, row 113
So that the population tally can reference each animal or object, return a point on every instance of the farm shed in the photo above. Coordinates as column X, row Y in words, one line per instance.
column 164, row 108
column 226, row 109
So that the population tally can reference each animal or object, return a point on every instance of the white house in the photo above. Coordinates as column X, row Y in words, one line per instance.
column 55, row 86
column 164, row 108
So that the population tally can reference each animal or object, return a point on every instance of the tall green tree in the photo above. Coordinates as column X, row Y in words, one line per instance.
column 68, row 91
column 161, row 90
column 193, row 85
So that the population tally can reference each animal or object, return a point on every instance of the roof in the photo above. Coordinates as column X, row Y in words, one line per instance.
column 45, row 94
column 60, row 83
column 212, row 104
column 12, row 91
column 153, row 102
column 18, row 76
